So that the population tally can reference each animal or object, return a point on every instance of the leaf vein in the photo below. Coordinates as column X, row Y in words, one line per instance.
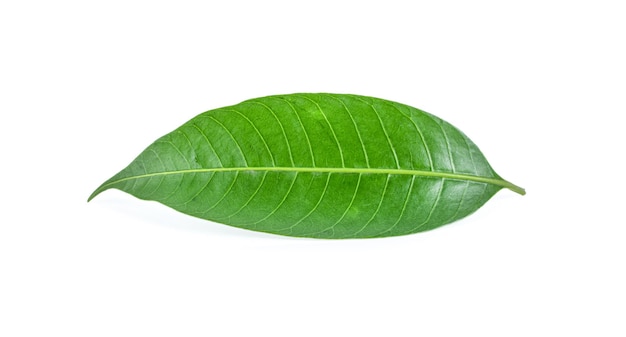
column 224, row 194
column 332, row 130
column 162, row 178
column 382, row 125
column 432, row 209
column 420, row 133
column 406, row 201
column 314, row 207
column 356, row 189
column 280, row 204
column 467, row 183
column 210, row 145
column 267, row 148
column 231, row 137
column 457, row 176
column 382, row 198
column 448, row 146
column 247, row 202
column 356, row 128
column 282, row 129
column 197, row 193
column 306, row 134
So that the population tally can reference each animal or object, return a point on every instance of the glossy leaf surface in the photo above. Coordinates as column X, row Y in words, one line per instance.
column 315, row 165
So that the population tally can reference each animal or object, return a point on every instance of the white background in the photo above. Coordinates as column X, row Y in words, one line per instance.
column 84, row 87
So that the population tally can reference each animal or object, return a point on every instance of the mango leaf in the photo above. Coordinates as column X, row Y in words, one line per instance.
column 316, row 165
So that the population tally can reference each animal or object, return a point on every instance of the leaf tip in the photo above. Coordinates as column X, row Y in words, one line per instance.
column 95, row 193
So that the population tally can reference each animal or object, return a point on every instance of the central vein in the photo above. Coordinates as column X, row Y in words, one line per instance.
column 457, row 176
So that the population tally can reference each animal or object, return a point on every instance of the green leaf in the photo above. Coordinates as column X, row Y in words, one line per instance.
column 316, row 165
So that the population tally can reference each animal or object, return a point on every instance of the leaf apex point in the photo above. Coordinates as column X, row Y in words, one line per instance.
column 94, row 194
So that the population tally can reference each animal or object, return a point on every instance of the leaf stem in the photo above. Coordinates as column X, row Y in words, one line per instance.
column 514, row 188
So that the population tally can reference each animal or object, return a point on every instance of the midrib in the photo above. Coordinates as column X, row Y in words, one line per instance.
column 457, row 176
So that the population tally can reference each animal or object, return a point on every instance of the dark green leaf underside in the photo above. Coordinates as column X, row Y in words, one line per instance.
column 316, row 165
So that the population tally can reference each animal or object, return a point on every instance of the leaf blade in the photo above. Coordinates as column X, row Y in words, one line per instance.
column 298, row 139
